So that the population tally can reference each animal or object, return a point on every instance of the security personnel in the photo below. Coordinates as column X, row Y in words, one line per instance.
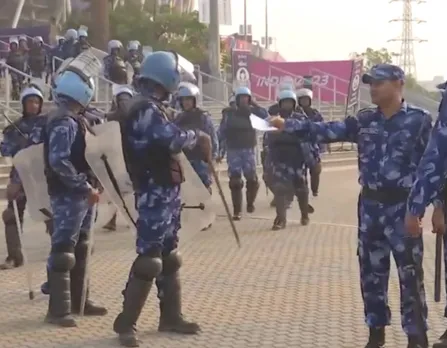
column 72, row 196
column 305, row 97
column 82, row 43
column 239, row 137
column 17, row 59
column 68, row 47
column 194, row 118
column 287, row 157
column 150, row 147
column 391, row 140
column 15, row 138
column 113, row 61
column 37, row 58
column 430, row 188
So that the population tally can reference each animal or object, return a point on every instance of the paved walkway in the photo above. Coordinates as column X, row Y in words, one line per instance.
column 294, row 288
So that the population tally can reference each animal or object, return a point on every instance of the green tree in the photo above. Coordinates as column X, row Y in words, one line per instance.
column 381, row 56
column 159, row 27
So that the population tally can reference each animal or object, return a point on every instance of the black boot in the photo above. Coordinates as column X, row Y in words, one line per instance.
column 13, row 246
column 171, row 318
column 251, row 194
column 59, row 305
column 77, row 276
column 143, row 272
column 111, row 225
column 442, row 342
column 418, row 341
column 236, row 197
column 280, row 221
column 376, row 338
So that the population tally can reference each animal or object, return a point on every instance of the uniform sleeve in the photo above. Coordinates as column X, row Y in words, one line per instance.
column 325, row 132
column 61, row 138
column 431, row 172
column 211, row 131
column 167, row 133
column 260, row 112
column 221, row 135
column 10, row 144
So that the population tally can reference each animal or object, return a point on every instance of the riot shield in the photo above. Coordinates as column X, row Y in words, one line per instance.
column 30, row 166
column 106, row 159
column 86, row 65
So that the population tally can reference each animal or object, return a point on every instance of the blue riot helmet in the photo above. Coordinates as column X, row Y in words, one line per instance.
column 73, row 87
column 287, row 95
column 241, row 92
column 31, row 92
column 162, row 69
column 71, row 34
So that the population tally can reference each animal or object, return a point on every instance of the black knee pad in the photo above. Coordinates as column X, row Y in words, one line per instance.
column 236, row 183
column 8, row 217
column 146, row 267
column 172, row 262
column 253, row 183
column 62, row 261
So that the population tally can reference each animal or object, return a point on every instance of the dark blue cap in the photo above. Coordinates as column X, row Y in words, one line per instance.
column 384, row 72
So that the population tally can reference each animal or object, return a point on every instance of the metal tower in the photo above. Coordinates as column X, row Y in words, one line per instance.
column 406, row 58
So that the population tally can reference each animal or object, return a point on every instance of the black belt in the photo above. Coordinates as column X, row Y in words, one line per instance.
column 386, row 195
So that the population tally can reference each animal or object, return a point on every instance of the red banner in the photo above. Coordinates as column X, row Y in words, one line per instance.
column 330, row 79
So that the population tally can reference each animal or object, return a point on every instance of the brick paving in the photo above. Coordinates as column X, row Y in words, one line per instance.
column 293, row 288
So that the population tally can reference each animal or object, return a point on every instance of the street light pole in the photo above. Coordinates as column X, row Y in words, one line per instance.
column 245, row 21
column 267, row 24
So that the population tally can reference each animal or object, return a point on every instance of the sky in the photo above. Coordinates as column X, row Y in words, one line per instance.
column 332, row 29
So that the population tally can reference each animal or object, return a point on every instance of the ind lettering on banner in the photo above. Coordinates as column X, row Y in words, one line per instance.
column 354, row 84
column 329, row 80
column 241, row 72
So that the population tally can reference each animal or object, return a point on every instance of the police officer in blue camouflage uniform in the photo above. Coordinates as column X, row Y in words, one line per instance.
column 430, row 188
column 72, row 196
column 305, row 97
column 16, row 138
column 194, row 118
column 68, row 47
column 113, row 60
column 287, row 158
column 150, row 147
column 391, row 140
column 239, row 139
column 82, row 43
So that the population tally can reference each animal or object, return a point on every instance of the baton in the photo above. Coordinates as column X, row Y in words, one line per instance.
column 225, row 203
column 438, row 266
column 14, row 125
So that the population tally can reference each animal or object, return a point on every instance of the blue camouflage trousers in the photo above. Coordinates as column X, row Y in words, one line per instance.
column 203, row 171
column 242, row 161
column 158, row 223
column 72, row 217
column 382, row 232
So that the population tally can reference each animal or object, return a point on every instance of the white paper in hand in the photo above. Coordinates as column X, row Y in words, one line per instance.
column 260, row 124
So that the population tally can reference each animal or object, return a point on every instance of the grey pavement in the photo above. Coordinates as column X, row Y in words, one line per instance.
column 293, row 288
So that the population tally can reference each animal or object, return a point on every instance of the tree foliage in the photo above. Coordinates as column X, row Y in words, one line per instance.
column 159, row 27
column 383, row 56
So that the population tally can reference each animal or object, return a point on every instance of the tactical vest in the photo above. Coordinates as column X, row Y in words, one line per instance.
column 16, row 60
column 36, row 60
column 239, row 132
column 77, row 159
column 155, row 161
column 192, row 120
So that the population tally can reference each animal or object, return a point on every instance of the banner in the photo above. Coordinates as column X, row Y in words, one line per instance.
column 330, row 79
column 241, row 74
column 354, row 84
